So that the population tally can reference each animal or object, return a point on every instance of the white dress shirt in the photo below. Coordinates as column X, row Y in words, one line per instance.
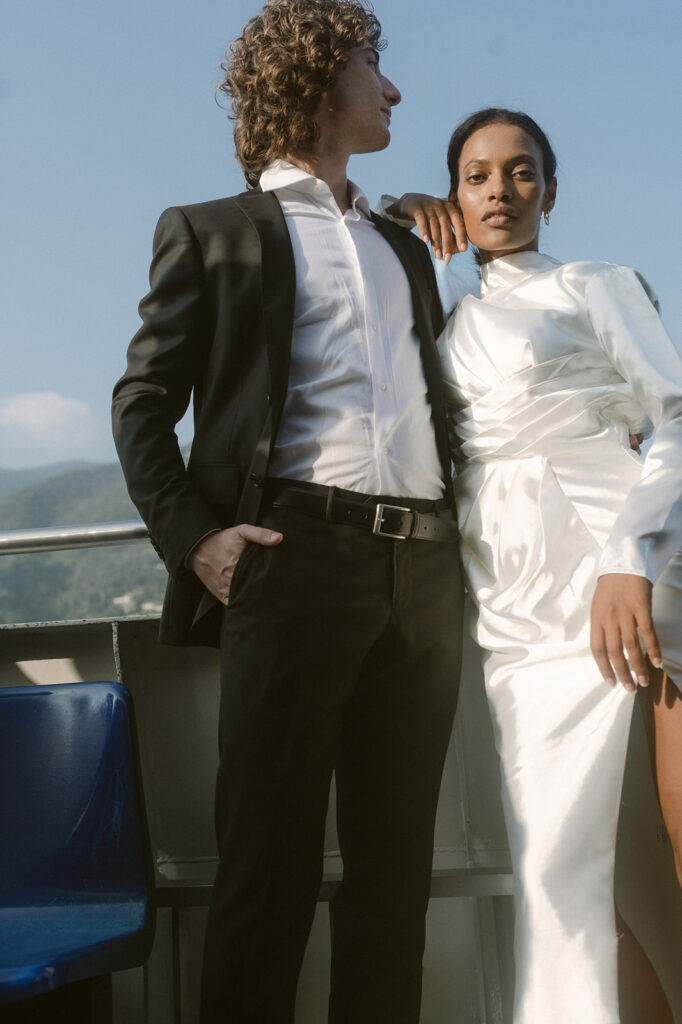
column 356, row 414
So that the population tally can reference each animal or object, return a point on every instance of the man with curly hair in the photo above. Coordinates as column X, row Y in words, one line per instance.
column 312, row 534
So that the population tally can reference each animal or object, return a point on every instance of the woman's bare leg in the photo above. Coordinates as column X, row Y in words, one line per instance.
column 666, row 710
column 640, row 994
column 642, row 999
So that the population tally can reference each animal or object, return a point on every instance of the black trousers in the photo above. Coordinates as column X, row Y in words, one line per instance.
column 340, row 651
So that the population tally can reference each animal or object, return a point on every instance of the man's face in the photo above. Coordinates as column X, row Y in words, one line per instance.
column 355, row 114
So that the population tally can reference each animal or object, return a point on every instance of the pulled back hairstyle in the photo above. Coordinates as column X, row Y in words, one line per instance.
column 277, row 70
column 498, row 115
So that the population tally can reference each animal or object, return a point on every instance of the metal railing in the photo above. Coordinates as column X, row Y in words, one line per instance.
column 63, row 538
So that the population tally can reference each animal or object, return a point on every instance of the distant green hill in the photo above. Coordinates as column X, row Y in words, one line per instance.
column 12, row 480
column 91, row 583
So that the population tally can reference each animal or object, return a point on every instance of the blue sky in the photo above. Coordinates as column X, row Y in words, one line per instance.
column 107, row 116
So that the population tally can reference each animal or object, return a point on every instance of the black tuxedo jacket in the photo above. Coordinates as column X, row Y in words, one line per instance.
column 217, row 322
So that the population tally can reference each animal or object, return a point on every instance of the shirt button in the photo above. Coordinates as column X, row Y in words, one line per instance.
column 384, row 451
column 382, row 387
column 373, row 326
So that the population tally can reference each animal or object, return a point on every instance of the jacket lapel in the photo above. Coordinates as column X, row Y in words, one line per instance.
column 428, row 323
column 278, row 286
column 278, row 293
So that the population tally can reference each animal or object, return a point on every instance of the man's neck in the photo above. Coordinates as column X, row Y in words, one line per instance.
column 330, row 170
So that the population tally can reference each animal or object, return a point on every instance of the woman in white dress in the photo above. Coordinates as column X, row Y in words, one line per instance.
column 565, row 532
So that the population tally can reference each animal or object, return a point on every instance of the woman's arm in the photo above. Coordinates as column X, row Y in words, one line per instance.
column 438, row 221
column 648, row 530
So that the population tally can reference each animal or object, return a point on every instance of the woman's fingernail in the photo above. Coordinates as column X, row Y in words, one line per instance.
column 643, row 680
column 609, row 681
column 462, row 246
column 657, row 663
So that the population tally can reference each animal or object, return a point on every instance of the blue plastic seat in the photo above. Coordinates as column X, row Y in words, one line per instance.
column 75, row 866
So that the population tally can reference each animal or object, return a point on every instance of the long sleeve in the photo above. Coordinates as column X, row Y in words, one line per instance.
column 164, row 359
column 648, row 530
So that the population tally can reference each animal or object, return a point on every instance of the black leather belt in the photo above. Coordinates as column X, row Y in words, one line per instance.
column 370, row 513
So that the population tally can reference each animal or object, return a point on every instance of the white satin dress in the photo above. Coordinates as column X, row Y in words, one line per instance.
column 547, row 373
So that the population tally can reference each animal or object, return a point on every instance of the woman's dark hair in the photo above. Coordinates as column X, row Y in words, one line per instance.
column 498, row 115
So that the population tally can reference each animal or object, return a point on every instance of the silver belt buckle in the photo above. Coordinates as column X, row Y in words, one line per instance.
column 379, row 518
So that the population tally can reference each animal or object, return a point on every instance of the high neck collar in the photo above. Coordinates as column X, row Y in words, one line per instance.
column 507, row 271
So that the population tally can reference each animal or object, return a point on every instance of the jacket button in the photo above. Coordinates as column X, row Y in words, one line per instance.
column 257, row 479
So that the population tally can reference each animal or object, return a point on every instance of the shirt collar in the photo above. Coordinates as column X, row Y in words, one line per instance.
column 282, row 174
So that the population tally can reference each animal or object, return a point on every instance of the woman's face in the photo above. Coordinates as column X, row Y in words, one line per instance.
column 502, row 191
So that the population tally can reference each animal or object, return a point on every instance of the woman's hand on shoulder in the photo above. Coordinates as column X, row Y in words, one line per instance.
column 438, row 222
column 621, row 606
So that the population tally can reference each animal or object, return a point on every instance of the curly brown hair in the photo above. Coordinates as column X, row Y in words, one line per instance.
column 278, row 68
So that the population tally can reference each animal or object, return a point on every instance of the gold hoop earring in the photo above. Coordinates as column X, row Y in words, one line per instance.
column 546, row 215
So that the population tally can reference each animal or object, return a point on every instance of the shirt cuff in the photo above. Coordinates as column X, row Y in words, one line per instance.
column 384, row 202
column 196, row 545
